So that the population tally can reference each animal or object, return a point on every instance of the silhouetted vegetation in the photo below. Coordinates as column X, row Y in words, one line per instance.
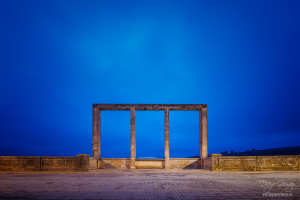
column 266, row 152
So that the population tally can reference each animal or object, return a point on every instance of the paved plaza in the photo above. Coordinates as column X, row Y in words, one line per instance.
column 150, row 184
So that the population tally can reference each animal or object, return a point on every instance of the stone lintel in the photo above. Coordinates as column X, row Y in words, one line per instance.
column 141, row 107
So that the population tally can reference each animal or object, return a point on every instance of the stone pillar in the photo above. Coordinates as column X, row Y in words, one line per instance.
column 167, row 140
column 96, row 133
column 203, row 133
column 132, row 138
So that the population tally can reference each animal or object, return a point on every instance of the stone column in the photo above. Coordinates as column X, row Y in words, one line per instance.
column 96, row 133
column 132, row 138
column 167, row 140
column 203, row 133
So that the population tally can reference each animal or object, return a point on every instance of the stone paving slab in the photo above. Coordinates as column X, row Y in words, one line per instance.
column 150, row 184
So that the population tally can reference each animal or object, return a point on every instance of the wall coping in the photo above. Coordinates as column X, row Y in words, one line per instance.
column 56, row 157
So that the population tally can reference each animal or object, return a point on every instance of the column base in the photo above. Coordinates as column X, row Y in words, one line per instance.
column 132, row 164
column 167, row 164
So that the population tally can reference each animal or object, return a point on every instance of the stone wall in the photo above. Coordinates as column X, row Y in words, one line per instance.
column 113, row 163
column 254, row 163
column 124, row 163
column 150, row 163
column 216, row 162
column 36, row 163
column 185, row 163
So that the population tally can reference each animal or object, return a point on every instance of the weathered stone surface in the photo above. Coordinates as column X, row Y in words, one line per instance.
column 59, row 164
column 114, row 163
column 277, row 163
column 36, row 163
column 206, row 163
column 254, row 163
column 175, row 163
column 243, row 163
column 132, row 138
column 149, row 163
column 203, row 133
column 216, row 162
column 167, row 140
column 185, row 163
column 150, row 106
column 96, row 133
column 82, row 163
column 93, row 163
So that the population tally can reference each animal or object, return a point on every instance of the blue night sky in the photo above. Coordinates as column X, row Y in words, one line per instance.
column 57, row 58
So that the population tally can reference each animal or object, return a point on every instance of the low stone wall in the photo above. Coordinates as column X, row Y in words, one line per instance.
column 149, row 163
column 124, row 163
column 254, row 163
column 36, row 163
column 216, row 162
column 185, row 163
column 113, row 163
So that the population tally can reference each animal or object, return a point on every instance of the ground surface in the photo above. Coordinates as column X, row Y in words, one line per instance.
column 150, row 184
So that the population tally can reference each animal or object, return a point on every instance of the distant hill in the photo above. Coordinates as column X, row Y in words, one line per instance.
column 266, row 152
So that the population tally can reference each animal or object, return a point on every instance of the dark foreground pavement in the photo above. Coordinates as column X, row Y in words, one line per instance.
column 150, row 184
